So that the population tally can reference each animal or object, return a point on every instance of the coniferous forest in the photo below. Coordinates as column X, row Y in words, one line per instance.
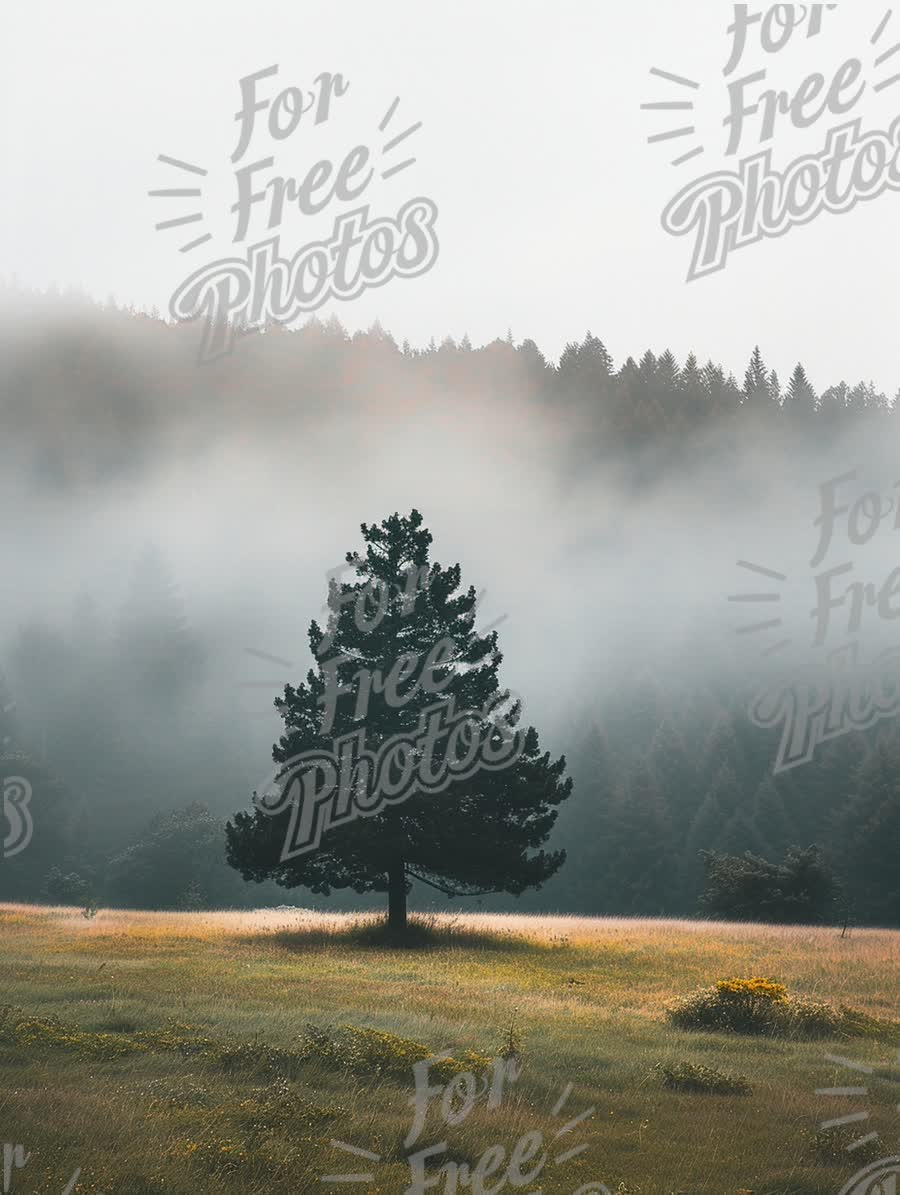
column 135, row 663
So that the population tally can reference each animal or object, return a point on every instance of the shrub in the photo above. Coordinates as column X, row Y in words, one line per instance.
column 807, row 1018
column 689, row 1076
column 763, row 1007
column 832, row 1146
column 178, row 862
column 360, row 1051
column 65, row 889
column 19, row 1029
column 374, row 1052
column 800, row 889
column 733, row 1006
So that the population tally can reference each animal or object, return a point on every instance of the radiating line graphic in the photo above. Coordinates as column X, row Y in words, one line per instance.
column 849, row 1064
column 885, row 55
column 876, row 36
column 276, row 684
column 181, row 193
column 844, row 1092
column 358, row 1153
column 764, row 572
column 181, row 165
column 391, row 145
column 685, row 132
column 679, row 105
column 558, row 1160
column 680, row 79
column 692, row 153
column 760, row 597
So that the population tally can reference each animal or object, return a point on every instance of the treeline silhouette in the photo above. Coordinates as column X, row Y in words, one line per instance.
column 129, row 379
column 131, row 736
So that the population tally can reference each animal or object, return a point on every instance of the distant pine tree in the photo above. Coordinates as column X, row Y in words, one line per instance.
column 869, row 829
column 586, row 825
column 770, row 816
column 775, row 388
column 675, row 775
column 800, row 400
column 757, row 394
column 157, row 654
column 644, row 866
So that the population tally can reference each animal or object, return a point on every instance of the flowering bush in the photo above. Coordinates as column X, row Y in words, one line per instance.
column 763, row 1006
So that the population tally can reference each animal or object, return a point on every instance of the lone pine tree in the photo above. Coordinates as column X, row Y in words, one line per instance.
column 378, row 675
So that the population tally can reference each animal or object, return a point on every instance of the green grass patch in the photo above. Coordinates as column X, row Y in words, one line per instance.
column 695, row 1077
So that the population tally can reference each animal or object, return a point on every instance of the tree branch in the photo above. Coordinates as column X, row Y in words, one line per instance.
column 449, row 891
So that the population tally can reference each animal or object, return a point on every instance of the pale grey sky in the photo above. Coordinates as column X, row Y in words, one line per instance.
column 533, row 147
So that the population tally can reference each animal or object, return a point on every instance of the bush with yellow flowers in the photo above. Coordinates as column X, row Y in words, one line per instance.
column 763, row 1006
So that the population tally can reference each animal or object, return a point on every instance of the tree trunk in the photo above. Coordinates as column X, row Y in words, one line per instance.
column 397, row 897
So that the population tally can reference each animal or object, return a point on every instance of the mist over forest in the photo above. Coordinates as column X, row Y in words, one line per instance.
column 171, row 525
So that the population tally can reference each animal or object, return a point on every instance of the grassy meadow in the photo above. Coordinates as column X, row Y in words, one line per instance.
column 186, row 1053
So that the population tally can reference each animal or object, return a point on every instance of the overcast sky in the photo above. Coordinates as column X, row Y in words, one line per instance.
column 533, row 147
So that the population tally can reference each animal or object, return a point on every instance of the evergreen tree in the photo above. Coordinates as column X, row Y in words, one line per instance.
column 708, row 825
column 641, row 834
column 869, row 830
column 179, row 851
column 775, row 388
column 586, row 826
column 482, row 831
column 155, row 648
column 675, row 774
column 771, row 818
column 742, row 834
column 833, row 404
column 858, row 399
column 800, row 400
column 691, row 398
column 757, row 394
column 800, row 890
column 667, row 371
column 595, row 359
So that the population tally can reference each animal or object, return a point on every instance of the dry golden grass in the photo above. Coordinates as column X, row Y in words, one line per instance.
column 587, row 997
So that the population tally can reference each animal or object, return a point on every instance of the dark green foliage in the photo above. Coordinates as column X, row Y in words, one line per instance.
column 179, row 862
column 70, row 889
column 695, row 1077
column 109, row 704
column 154, row 644
column 831, row 1146
column 802, row 889
column 869, row 829
column 763, row 1007
column 800, row 400
column 480, row 834
column 39, row 826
